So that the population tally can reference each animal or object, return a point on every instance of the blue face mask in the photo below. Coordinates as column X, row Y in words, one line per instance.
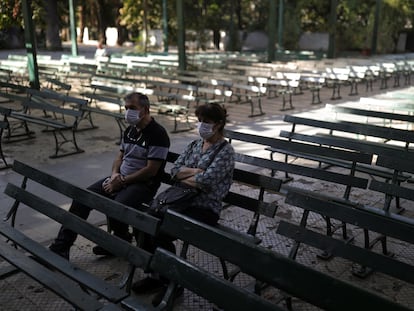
column 205, row 130
column 132, row 116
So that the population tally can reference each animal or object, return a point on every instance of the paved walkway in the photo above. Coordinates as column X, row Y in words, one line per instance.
column 18, row 292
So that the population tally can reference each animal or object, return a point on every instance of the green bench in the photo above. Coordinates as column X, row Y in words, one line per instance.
column 263, row 264
column 348, row 180
column 47, row 267
column 45, row 109
column 145, row 223
column 370, row 219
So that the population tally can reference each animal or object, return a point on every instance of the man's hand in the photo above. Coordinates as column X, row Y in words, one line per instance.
column 113, row 184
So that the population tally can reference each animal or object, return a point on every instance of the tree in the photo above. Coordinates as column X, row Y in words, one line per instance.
column 53, row 40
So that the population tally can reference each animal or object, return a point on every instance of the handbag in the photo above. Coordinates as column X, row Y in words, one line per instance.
column 178, row 196
column 175, row 197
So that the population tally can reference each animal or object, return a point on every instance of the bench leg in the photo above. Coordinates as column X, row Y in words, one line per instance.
column 3, row 158
column 259, row 104
column 126, row 281
column 316, row 99
column 59, row 144
column 354, row 88
column 87, row 115
column 336, row 91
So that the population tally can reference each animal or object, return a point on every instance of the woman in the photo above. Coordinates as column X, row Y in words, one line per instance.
column 207, row 164
column 193, row 166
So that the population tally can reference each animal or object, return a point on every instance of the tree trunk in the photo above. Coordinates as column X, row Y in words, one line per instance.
column 53, row 40
column 100, row 4
column 81, row 21
column 145, row 33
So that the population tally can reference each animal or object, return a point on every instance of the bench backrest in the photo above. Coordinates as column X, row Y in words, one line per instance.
column 107, row 206
column 48, row 95
column 354, row 127
column 217, row 290
column 274, row 269
column 348, row 180
column 388, row 150
column 371, row 218
column 394, row 189
column 371, row 113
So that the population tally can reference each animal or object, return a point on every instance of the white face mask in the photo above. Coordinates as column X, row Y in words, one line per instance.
column 205, row 130
column 132, row 116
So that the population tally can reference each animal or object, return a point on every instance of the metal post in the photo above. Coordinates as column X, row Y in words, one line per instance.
column 73, row 28
column 375, row 29
column 165, row 25
column 181, row 36
column 332, row 27
column 30, row 41
column 280, row 25
column 272, row 31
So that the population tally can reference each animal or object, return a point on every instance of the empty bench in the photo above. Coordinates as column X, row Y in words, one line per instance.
column 45, row 109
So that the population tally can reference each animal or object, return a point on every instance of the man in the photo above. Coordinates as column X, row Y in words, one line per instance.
column 136, row 171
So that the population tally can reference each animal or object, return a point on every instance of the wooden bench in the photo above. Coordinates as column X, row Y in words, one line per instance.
column 136, row 219
column 168, row 103
column 394, row 189
column 261, row 263
column 361, row 217
column 348, row 180
column 265, row 265
column 12, row 92
column 335, row 78
column 385, row 116
column 46, row 103
column 367, row 168
column 283, row 88
column 47, row 267
column 368, row 130
column 314, row 82
column 249, row 94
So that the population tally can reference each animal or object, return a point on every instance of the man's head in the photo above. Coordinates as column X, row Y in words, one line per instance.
column 137, row 108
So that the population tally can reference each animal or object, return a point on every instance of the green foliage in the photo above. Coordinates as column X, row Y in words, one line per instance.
column 10, row 14
column 354, row 27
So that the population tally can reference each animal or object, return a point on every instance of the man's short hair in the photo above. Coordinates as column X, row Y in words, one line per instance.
column 140, row 98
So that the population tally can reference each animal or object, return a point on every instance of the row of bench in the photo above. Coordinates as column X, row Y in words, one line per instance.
column 392, row 165
column 262, row 264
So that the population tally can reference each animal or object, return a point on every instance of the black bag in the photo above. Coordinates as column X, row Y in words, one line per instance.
column 177, row 197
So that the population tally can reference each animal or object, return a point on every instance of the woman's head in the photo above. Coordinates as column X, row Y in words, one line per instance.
column 212, row 113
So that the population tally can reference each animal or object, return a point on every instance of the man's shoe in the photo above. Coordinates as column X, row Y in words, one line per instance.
column 178, row 291
column 100, row 251
column 147, row 285
column 60, row 250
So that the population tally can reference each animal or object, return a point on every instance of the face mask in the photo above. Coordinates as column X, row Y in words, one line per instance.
column 132, row 116
column 205, row 130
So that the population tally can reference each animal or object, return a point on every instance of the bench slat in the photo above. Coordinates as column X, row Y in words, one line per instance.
column 354, row 127
column 143, row 221
column 207, row 285
column 274, row 269
column 360, row 255
column 304, row 171
column 62, row 287
column 374, row 219
column 111, row 292
column 113, row 244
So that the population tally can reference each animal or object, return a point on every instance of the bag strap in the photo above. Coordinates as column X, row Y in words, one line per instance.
column 221, row 146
